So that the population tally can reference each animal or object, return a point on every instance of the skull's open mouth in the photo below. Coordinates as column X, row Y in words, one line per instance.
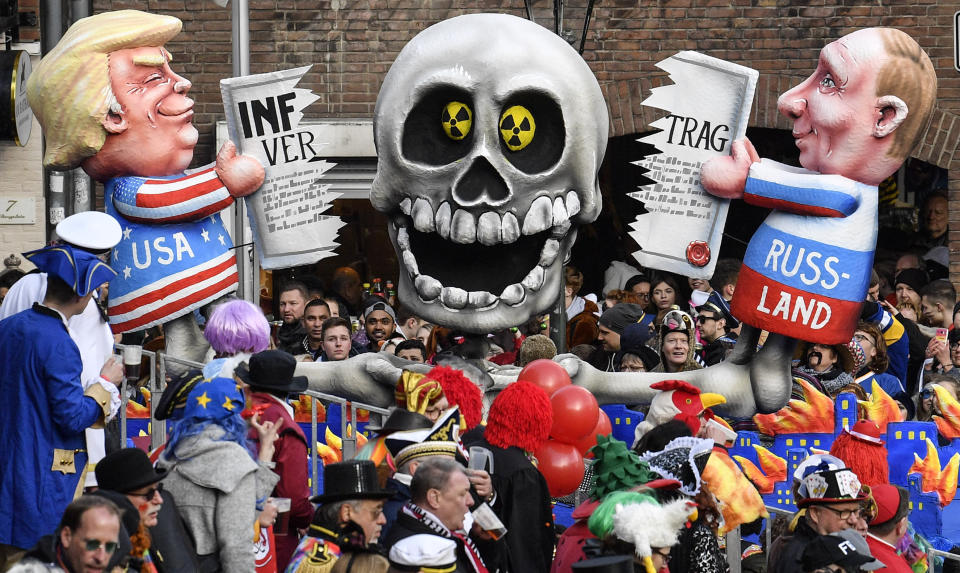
column 465, row 261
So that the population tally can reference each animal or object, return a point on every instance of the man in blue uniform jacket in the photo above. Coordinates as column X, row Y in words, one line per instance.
column 45, row 408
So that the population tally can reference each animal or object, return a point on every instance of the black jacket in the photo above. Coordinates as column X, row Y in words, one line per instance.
column 523, row 504
column 290, row 338
column 786, row 551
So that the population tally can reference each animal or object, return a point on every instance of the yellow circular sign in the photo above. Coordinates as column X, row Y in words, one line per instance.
column 517, row 127
column 457, row 120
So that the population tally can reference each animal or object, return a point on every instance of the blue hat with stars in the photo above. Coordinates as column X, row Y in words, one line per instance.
column 82, row 270
column 214, row 399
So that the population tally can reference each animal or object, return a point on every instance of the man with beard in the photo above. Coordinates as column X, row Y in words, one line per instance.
column 314, row 315
column 293, row 300
column 715, row 323
column 379, row 322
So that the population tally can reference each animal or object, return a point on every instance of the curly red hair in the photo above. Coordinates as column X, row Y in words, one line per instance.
column 460, row 391
column 521, row 416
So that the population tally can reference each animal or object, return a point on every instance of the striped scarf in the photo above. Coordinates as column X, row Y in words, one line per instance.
column 463, row 541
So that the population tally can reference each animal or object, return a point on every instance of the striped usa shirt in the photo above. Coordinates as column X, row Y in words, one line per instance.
column 175, row 254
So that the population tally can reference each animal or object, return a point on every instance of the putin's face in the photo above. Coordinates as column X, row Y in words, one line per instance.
column 836, row 110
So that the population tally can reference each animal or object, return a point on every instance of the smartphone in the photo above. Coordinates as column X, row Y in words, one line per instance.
column 942, row 334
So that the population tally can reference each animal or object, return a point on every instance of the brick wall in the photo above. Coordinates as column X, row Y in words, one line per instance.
column 352, row 43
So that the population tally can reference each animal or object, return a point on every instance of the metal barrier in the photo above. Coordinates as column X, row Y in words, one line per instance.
column 348, row 444
column 157, row 384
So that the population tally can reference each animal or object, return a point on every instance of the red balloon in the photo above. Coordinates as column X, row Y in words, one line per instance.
column 546, row 374
column 562, row 467
column 603, row 428
column 575, row 413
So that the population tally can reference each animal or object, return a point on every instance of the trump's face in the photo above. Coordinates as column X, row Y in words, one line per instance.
column 155, row 120
column 836, row 111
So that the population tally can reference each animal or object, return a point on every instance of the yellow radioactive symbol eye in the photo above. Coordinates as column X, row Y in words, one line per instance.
column 517, row 127
column 457, row 119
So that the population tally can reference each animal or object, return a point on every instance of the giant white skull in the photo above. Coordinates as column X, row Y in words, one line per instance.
column 489, row 130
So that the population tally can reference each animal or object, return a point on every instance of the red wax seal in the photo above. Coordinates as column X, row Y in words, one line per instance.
column 698, row 253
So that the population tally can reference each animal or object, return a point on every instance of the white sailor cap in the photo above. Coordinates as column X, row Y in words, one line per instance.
column 90, row 230
column 424, row 552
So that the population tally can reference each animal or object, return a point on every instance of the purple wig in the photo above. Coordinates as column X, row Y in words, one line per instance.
column 237, row 326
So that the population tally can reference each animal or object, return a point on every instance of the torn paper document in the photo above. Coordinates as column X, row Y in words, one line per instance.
column 709, row 105
column 263, row 115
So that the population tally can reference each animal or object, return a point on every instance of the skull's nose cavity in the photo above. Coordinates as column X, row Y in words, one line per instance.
column 481, row 184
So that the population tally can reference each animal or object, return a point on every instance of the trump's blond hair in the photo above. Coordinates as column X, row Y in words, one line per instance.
column 70, row 91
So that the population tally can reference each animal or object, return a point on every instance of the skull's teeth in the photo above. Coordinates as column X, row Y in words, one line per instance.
column 539, row 217
column 572, row 203
column 492, row 228
column 513, row 294
column 463, row 228
column 422, row 216
column 488, row 229
column 453, row 297
column 549, row 253
column 444, row 217
column 510, row 231
column 429, row 289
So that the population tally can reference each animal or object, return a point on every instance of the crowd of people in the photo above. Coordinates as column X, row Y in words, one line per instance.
column 236, row 460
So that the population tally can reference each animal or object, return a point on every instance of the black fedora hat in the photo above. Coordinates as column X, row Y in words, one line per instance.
column 175, row 395
column 400, row 420
column 126, row 470
column 352, row 479
column 272, row 370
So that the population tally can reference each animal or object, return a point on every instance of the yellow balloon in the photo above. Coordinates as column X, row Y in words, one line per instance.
column 517, row 127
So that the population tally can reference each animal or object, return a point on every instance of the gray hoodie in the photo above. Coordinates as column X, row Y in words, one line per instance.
column 217, row 486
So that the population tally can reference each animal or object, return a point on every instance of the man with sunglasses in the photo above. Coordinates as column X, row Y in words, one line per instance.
column 832, row 500
column 714, row 323
column 86, row 541
column 128, row 478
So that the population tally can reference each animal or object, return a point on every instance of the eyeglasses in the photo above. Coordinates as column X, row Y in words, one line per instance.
column 702, row 318
column 864, row 338
column 94, row 545
column 844, row 514
column 665, row 556
column 148, row 495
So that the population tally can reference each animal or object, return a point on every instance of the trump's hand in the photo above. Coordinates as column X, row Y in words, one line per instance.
column 240, row 174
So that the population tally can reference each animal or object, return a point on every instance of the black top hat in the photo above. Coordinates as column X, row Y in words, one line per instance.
column 353, row 479
column 272, row 370
column 175, row 396
column 126, row 470
column 401, row 419
column 605, row 564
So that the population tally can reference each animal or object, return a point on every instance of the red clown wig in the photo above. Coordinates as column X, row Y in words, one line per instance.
column 863, row 451
column 460, row 391
column 520, row 416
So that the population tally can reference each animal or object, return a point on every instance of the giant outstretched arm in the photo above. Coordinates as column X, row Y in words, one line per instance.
column 371, row 378
column 191, row 197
